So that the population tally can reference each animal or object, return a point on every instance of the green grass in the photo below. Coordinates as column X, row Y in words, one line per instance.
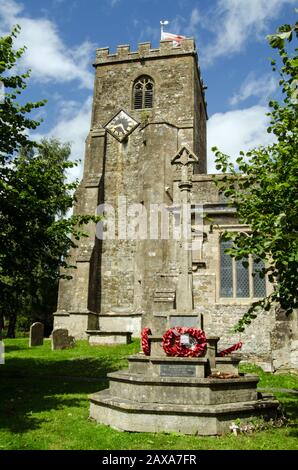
column 44, row 404
column 271, row 380
column 83, row 360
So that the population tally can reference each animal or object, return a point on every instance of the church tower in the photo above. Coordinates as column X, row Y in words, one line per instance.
column 145, row 162
column 148, row 109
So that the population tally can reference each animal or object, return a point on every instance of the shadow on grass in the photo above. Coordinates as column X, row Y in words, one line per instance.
column 72, row 367
column 23, row 398
column 29, row 386
column 14, row 348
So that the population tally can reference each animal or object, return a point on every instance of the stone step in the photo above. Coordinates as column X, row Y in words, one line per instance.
column 129, row 415
column 180, row 390
column 165, row 365
column 183, row 366
column 97, row 337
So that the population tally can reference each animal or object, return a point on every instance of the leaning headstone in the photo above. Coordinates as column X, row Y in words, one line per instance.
column 61, row 339
column 36, row 334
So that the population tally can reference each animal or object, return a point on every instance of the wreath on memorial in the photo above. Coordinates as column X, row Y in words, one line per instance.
column 233, row 348
column 174, row 345
column 145, row 341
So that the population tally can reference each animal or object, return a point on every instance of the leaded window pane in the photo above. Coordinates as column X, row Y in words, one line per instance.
column 259, row 284
column 226, row 270
column 242, row 279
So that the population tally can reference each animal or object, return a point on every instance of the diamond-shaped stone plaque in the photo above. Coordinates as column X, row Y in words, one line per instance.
column 121, row 125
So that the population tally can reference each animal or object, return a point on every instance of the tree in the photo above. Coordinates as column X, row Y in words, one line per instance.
column 14, row 121
column 35, row 233
column 262, row 185
column 36, row 236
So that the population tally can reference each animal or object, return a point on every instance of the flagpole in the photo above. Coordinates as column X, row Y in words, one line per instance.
column 162, row 24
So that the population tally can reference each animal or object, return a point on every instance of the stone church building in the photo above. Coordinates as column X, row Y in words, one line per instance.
column 146, row 155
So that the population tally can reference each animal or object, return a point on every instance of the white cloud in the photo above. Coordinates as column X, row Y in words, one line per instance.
column 113, row 2
column 234, row 21
column 261, row 87
column 237, row 130
column 9, row 9
column 193, row 24
column 73, row 126
column 150, row 32
column 177, row 25
column 47, row 55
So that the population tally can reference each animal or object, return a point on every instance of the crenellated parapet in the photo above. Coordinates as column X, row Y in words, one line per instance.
column 124, row 54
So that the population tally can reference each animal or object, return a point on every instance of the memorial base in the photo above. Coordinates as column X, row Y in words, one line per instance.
column 176, row 394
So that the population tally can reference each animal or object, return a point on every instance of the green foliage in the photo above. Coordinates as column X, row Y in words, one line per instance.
column 14, row 121
column 144, row 117
column 263, row 188
column 35, row 232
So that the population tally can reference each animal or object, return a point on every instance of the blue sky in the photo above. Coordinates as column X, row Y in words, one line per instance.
column 61, row 37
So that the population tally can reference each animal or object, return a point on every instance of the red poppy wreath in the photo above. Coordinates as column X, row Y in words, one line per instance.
column 233, row 348
column 145, row 341
column 193, row 347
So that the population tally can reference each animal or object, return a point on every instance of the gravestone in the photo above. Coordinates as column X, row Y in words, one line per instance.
column 36, row 334
column 61, row 339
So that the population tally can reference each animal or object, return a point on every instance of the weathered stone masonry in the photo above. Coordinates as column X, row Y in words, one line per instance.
column 122, row 285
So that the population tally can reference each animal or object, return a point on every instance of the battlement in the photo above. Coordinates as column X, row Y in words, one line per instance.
column 123, row 53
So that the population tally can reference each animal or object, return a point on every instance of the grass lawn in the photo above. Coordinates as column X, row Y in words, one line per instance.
column 44, row 405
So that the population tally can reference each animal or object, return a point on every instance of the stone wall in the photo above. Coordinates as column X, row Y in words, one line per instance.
column 140, row 169
column 141, row 278
column 284, row 340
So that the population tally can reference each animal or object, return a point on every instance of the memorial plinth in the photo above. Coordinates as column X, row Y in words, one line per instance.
column 159, row 393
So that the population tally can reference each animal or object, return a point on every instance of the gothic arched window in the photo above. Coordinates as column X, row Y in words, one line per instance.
column 143, row 93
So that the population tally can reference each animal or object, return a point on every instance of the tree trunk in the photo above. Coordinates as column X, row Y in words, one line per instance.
column 12, row 326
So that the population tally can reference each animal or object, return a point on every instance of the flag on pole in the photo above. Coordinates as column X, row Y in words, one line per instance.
column 176, row 38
